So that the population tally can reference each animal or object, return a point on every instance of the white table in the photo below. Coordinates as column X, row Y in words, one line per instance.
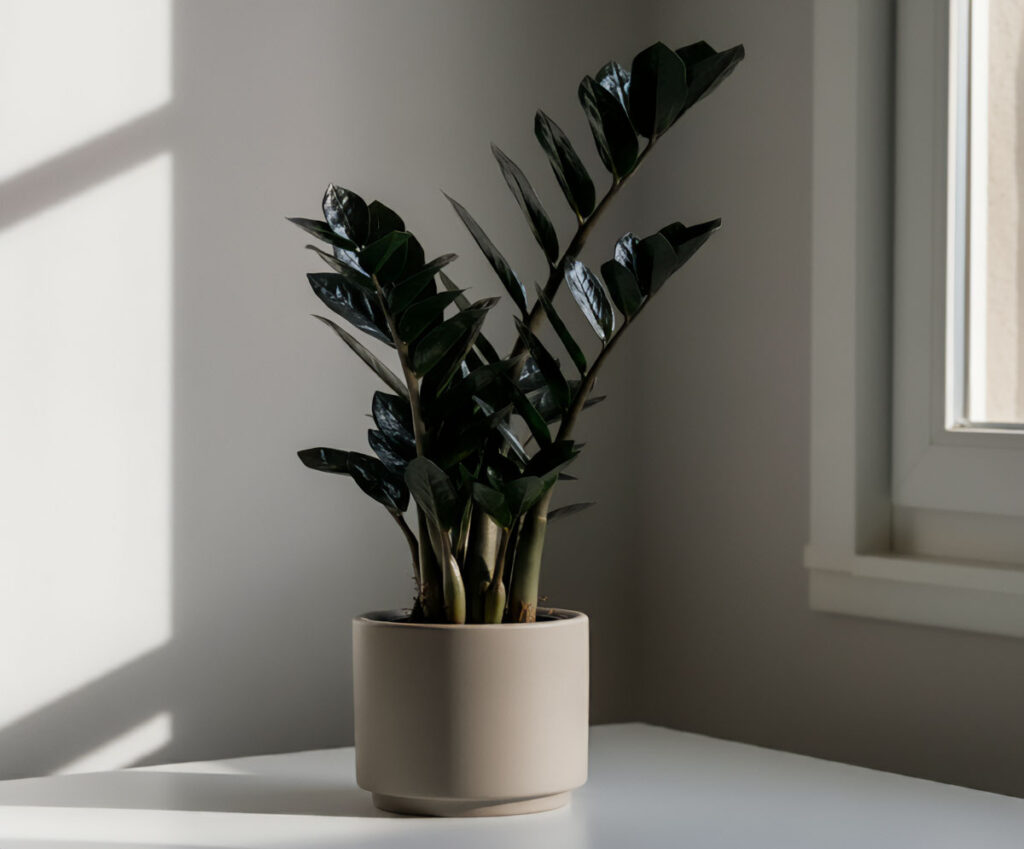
column 649, row 787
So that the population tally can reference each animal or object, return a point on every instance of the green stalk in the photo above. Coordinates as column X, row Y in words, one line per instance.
column 494, row 600
column 478, row 566
column 525, row 583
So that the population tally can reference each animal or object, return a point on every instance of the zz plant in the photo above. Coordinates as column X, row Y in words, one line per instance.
column 477, row 439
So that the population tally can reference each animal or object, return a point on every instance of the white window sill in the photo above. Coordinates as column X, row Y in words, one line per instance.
column 985, row 598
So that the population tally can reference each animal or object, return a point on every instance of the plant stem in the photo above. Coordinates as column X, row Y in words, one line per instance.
column 525, row 583
column 494, row 600
column 427, row 567
column 410, row 538
column 574, row 249
column 479, row 564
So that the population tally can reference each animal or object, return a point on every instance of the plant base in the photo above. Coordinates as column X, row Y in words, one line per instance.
column 418, row 806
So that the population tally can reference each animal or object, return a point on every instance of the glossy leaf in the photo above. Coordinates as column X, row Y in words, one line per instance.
column 461, row 352
column 387, row 453
column 462, row 302
column 613, row 133
column 572, row 177
column 343, row 267
column 569, row 510
column 623, row 288
column 430, row 350
column 569, row 343
column 424, row 314
column 657, row 90
column 501, row 267
column 321, row 231
column 386, row 256
column 686, row 241
column 655, row 261
column 393, row 417
column 521, row 494
column 548, row 366
column 493, row 503
column 530, row 414
column 367, row 356
column 540, row 224
column 588, row 294
column 369, row 473
column 529, row 377
column 546, row 406
column 706, row 68
column 498, row 420
column 625, row 252
column 382, row 221
column 552, row 459
column 414, row 287
column 346, row 214
column 352, row 301
column 434, row 492
column 614, row 79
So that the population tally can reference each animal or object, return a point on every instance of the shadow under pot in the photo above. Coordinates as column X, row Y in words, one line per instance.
column 470, row 720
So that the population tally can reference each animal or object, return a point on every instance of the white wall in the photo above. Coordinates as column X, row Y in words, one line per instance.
column 230, row 634
column 731, row 648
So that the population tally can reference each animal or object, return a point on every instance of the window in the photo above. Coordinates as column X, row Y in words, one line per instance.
column 917, row 454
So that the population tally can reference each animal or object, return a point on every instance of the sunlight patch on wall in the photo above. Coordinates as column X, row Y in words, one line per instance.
column 126, row 749
column 85, row 437
column 106, row 63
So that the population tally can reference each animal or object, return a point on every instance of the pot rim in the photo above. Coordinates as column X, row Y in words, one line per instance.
column 555, row 617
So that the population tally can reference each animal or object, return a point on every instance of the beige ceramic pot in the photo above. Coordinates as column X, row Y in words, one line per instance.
column 470, row 720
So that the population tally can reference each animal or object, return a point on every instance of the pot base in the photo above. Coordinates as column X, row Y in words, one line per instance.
column 426, row 807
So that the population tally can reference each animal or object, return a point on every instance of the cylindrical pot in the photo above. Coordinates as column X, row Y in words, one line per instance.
column 470, row 720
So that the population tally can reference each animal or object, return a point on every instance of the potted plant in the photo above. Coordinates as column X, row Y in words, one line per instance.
column 474, row 700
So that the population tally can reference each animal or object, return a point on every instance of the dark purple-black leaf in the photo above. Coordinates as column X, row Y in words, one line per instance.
column 572, row 177
column 540, row 225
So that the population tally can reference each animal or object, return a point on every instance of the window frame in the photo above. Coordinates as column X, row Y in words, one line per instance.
column 937, row 464
column 855, row 448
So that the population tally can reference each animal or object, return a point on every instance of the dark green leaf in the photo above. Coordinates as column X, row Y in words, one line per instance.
column 415, row 286
column 462, row 351
column 568, row 510
column 625, row 252
column 431, row 349
column 655, row 261
column 342, row 267
column 548, row 366
column 623, row 288
column 499, row 420
column 529, row 413
column 657, row 90
column 493, row 504
column 572, row 177
column 613, row 133
column 686, row 241
column 614, row 79
column 389, row 456
column 504, row 271
column 382, row 221
column 587, row 292
column 546, row 406
column 462, row 302
column 346, row 214
column 540, row 225
column 414, row 260
column 529, row 377
column 353, row 301
column 523, row 493
column 393, row 417
column 322, row 232
column 424, row 314
column 706, row 68
column 434, row 492
column 369, row 473
column 570, row 344
column 374, row 478
column 550, row 460
column 386, row 256
column 382, row 371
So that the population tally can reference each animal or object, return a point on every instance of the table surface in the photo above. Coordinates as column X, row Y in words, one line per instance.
column 649, row 787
